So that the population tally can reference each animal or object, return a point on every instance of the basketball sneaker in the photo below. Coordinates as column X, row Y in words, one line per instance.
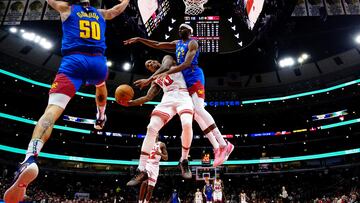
column 26, row 173
column 229, row 149
column 138, row 178
column 99, row 124
column 185, row 170
column 220, row 156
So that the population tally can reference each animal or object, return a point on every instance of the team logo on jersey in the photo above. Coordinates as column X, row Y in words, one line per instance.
column 200, row 92
column 54, row 85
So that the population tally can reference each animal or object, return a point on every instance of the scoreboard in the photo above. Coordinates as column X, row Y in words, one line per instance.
column 206, row 32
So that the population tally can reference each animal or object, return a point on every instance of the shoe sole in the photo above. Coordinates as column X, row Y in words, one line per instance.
column 15, row 193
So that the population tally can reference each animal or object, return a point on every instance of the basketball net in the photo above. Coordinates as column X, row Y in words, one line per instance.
column 194, row 7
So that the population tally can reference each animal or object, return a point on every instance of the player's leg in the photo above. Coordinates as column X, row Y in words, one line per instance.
column 156, row 123
column 149, row 192
column 28, row 169
column 225, row 147
column 209, row 135
column 101, row 98
column 186, row 140
column 143, row 191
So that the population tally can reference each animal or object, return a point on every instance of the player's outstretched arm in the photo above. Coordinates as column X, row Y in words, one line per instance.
column 193, row 47
column 114, row 11
column 166, row 46
column 59, row 6
column 152, row 92
column 166, row 63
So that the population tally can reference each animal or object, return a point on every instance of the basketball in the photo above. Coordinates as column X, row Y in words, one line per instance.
column 124, row 93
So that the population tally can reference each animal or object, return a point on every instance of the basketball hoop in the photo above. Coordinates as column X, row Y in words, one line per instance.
column 194, row 7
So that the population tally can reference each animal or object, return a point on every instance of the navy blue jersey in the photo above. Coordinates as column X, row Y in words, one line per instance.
column 174, row 198
column 208, row 191
column 83, row 31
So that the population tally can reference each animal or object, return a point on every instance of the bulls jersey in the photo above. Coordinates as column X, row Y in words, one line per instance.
column 242, row 197
column 172, row 82
column 153, row 157
column 217, row 185
column 198, row 196
column 83, row 31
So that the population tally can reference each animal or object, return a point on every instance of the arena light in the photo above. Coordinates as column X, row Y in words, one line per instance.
column 357, row 39
column 303, row 58
column 286, row 62
column 192, row 163
column 13, row 30
column 109, row 63
column 126, row 66
column 29, row 36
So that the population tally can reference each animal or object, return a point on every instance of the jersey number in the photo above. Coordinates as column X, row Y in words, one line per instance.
column 166, row 81
column 89, row 29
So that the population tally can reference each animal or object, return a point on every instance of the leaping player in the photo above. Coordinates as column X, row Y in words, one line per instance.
column 176, row 100
column 187, row 53
column 83, row 49
column 157, row 153
column 218, row 190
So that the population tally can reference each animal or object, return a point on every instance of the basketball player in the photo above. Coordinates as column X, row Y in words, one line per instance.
column 218, row 190
column 157, row 153
column 176, row 100
column 198, row 196
column 83, row 48
column 208, row 191
column 243, row 197
column 187, row 54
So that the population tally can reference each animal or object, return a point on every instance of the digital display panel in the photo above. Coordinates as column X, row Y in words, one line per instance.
column 152, row 13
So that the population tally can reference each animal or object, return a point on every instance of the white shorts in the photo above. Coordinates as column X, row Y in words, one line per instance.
column 172, row 103
column 198, row 201
column 217, row 195
column 153, row 173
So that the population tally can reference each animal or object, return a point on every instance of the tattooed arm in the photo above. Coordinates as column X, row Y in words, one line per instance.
column 152, row 92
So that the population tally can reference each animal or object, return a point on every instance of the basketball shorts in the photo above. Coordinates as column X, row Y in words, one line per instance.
column 153, row 173
column 198, row 201
column 76, row 69
column 217, row 196
column 209, row 197
column 172, row 103
column 195, row 81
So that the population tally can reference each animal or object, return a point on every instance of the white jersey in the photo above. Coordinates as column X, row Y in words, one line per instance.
column 217, row 186
column 153, row 157
column 242, row 198
column 172, row 82
column 198, row 196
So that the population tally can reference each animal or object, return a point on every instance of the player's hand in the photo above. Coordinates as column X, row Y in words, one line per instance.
column 160, row 76
column 158, row 153
column 142, row 83
column 132, row 40
column 124, row 103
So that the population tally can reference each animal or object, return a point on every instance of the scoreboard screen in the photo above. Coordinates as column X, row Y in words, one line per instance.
column 206, row 32
column 152, row 13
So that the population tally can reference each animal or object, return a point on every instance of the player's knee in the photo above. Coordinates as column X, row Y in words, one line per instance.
column 101, row 98
column 155, row 124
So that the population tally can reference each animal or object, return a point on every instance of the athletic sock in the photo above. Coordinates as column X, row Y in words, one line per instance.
column 101, row 112
column 34, row 148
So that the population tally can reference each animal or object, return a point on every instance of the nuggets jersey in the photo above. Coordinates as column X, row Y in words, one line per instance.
column 181, row 51
column 172, row 82
column 217, row 185
column 208, row 191
column 83, row 31
column 153, row 157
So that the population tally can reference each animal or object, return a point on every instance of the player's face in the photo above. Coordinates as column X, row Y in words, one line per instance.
column 184, row 33
column 152, row 65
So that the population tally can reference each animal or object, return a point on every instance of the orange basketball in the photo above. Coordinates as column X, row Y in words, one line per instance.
column 124, row 93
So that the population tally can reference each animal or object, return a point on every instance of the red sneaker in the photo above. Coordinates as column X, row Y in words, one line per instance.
column 220, row 156
column 230, row 148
